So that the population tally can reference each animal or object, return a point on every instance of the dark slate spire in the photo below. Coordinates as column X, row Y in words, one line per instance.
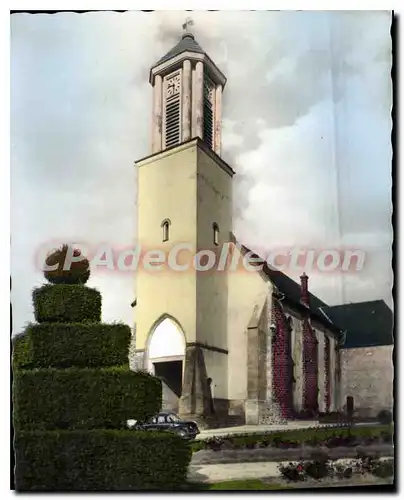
column 186, row 44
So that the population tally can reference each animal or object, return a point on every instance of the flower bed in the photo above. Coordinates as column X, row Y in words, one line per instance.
column 331, row 437
column 321, row 467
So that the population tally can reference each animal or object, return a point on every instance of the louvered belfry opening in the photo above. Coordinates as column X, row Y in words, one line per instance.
column 172, row 132
column 173, row 122
column 208, row 116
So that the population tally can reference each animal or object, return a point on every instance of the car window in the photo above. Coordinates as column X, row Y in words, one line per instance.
column 161, row 419
column 152, row 420
column 172, row 418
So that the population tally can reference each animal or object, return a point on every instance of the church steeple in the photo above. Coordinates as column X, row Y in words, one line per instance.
column 184, row 195
column 187, row 96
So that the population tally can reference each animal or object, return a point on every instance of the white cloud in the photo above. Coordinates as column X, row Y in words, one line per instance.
column 306, row 127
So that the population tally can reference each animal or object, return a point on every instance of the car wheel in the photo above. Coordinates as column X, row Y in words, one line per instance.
column 182, row 433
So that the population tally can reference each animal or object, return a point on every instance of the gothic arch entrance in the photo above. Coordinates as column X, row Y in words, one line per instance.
column 165, row 359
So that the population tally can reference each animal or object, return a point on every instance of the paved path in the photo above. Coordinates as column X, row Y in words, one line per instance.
column 228, row 472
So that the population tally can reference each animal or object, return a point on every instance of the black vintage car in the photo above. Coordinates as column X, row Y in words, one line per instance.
column 169, row 422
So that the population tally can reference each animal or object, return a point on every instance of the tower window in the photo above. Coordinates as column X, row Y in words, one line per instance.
column 172, row 110
column 208, row 111
column 215, row 234
column 165, row 225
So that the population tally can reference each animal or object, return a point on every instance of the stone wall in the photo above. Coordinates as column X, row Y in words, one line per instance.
column 310, row 368
column 333, row 381
column 322, row 375
column 267, row 399
column 367, row 375
column 327, row 374
column 216, row 369
column 297, row 354
column 263, row 413
column 248, row 293
column 136, row 356
column 338, row 397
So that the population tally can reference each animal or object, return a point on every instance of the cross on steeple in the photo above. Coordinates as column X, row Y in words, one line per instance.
column 188, row 22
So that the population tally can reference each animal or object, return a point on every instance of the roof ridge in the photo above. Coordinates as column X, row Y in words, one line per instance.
column 347, row 304
column 274, row 270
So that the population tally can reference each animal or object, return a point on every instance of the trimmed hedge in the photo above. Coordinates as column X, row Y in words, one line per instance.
column 73, row 394
column 385, row 416
column 78, row 272
column 67, row 304
column 80, row 398
column 100, row 460
column 63, row 345
column 22, row 355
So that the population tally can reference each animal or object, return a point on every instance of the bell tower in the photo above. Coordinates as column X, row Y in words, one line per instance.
column 184, row 218
column 187, row 97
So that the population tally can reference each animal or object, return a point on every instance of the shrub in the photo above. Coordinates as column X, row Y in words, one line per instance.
column 384, row 469
column 215, row 443
column 292, row 471
column 387, row 437
column 323, row 467
column 67, row 304
column 73, row 394
column 343, row 471
column 78, row 272
column 340, row 440
column 100, row 460
column 21, row 355
column 385, row 417
column 365, row 464
column 78, row 398
column 63, row 345
column 317, row 469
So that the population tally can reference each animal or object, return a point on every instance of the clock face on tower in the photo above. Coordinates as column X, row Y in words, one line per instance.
column 173, row 85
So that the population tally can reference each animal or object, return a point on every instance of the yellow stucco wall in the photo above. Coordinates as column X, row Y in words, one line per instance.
column 214, row 205
column 187, row 186
column 247, row 290
column 166, row 189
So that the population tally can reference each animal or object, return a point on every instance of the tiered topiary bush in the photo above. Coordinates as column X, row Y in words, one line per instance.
column 73, row 393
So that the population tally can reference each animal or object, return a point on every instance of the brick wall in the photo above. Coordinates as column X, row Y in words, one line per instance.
column 282, row 370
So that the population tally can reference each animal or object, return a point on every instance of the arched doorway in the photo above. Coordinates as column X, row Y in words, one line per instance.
column 165, row 359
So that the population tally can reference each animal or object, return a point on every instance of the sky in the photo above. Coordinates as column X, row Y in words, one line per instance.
column 306, row 126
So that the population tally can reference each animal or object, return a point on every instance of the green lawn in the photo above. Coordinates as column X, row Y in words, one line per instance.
column 247, row 484
column 242, row 485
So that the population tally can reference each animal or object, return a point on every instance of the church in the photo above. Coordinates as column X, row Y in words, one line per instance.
column 230, row 347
